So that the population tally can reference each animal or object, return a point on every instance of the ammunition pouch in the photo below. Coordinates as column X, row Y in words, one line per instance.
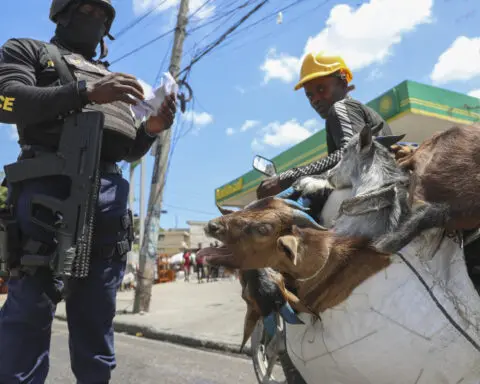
column 10, row 242
column 119, row 227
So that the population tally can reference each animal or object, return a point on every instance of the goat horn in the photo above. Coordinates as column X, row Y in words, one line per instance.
column 377, row 128
column 301, row 219
column 295, row 205
column 286, row 193
column 224, row 211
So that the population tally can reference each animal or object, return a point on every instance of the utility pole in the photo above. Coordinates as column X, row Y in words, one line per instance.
column 141, row 228
column 148, row 252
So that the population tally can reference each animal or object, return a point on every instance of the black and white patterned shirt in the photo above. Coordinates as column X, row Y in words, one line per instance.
column 345, row 118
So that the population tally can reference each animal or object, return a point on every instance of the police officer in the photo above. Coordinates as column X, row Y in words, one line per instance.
column 325, row 80
column 33, row 98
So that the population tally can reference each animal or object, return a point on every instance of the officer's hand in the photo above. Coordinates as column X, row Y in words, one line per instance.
column 115, row 87
column 269, row 187
column 165, row 116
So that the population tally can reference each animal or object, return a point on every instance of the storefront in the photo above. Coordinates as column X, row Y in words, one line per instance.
column 416, row 109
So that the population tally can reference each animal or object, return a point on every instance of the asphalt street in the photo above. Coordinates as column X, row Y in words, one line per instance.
column 147, row 361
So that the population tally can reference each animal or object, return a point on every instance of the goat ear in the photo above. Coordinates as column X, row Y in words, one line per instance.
column 388, row 141
column 289, row 246
column 365, row 139
column 224, row 211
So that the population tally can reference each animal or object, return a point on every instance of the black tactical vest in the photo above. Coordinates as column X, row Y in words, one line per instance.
column 119, row 129
column 118, row 117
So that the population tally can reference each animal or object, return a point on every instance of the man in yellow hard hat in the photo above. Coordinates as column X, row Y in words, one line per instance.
column 326, row 80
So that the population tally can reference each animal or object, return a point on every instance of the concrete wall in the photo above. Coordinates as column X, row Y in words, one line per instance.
column 173, row 241
column 197, row 234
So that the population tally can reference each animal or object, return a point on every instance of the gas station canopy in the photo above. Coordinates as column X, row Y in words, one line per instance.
column 416, row 109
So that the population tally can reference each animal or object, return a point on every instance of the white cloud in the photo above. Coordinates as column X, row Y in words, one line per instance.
column 256, row 145
column 289, row 133
column 475, row 93
column 202, row 118
column 460, row 61
column 241, row 90
column 362, row 36
column 374, row 74
column 142, row 6
column 280, row 66
column 312, row 125
column 201, row 10
column 248, row 124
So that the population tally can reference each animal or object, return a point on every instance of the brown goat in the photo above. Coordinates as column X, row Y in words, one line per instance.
column 264, row 291
column 444, row 185
column 325, row 267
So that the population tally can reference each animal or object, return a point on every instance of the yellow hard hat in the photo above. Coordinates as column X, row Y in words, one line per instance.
column 317, row 65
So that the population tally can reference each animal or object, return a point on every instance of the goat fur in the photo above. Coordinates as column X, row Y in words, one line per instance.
column 444, row 186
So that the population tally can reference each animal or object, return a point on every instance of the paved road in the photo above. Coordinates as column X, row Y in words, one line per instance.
column 147, row 361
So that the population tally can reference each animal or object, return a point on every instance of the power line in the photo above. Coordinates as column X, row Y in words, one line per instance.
column 219, row 17
column 138, row 20
column 200, row 8
column 191, row 210
column 223, row 36
column 154, row 39
column 143, row 46
column 277, row 33
column 271, row 15
column 226, row 17
column 162, row 64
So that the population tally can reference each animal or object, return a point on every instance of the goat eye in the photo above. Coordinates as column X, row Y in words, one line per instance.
column 264, row 229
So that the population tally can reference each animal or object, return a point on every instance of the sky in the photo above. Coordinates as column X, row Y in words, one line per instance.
column 244, row 103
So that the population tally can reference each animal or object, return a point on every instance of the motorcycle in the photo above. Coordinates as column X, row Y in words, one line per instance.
column 270, row 350
column 424, row 304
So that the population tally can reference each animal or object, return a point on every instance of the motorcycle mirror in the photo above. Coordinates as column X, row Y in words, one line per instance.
column 265, row 166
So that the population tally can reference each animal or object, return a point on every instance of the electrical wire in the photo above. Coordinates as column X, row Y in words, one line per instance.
column 155, row 39
column 223, row 37
column 219, row 17
column 269, row 16
column 143, row 46
column 276, row 32
column 205, row 3
column 190, row 210
column 162, row 65
column 136, row 21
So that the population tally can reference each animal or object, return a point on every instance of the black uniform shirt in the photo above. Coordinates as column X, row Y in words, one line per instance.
column 31, row 94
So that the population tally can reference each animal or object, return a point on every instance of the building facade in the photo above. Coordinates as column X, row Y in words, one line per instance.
column 198, row 238
column 172, row 241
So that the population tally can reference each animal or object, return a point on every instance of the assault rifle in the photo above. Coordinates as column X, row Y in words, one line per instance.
column 78, row 158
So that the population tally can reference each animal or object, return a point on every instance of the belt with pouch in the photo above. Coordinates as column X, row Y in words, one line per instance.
column 30, row 151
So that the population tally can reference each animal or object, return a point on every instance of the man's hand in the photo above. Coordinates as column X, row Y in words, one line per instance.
column 269, row 187
column 164, row 118
column 115, row 87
